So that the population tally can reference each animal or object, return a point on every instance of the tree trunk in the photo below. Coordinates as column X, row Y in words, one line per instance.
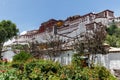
column 1, row 46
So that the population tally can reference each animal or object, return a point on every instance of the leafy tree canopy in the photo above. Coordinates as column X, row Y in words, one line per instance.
column 7, row 30
column 111, row 30
column 113, row 37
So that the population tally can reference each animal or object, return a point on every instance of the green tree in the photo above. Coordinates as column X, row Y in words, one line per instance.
column 112, row 40
column 112, row 29
column 113, row 37
column 117, row 33
column 7, row 31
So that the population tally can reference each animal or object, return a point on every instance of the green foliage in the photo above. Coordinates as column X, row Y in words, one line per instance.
column 112, row 40
column 34, row 69
column 103, row 73
column 8, row 74
column 22, row 56
column 117, row 32
column 43, row 68
column 112, row 29
column 79, row 61
column 113, row 37
column 17, row 65
column 8, row 29
column 76, row 60
column 3, row 34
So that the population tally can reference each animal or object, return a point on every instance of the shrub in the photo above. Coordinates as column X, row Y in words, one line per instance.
column 103, row 73
column 18, row 65
column 43, row 68
column 22, row 57
column 35, row 69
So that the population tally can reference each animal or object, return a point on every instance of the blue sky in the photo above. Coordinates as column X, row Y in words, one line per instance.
column 29, row 14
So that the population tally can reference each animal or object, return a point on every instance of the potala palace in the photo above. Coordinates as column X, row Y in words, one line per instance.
column 71, row 27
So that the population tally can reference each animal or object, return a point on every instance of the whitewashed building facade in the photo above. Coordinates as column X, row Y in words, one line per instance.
column 70, row 28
